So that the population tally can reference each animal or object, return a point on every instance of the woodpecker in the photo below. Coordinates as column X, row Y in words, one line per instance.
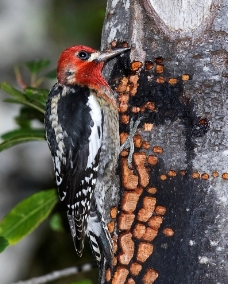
column 82, row 131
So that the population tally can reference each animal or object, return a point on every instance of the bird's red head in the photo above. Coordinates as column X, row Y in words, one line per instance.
column 82, row 65
column 77, row 65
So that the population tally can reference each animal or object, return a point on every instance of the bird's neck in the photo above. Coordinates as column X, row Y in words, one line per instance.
column 91, row 77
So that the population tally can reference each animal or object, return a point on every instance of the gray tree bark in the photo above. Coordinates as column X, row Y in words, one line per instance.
column 172, row 224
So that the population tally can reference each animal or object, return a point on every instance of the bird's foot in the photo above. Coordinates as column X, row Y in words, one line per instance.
column 129, row 141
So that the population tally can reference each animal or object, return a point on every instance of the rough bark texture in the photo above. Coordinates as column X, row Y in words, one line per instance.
column 172, row 223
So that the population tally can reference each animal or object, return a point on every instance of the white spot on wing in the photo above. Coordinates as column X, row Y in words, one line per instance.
column 87, row 179
column 85, row 191
column 64, row 195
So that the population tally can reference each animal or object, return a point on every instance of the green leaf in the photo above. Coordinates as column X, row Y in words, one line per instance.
column 56, row 223
column 3, row 243
column 21, row 98
column 24, row 132
column 37, row 95
column 26, row 102
column 13, row 101
column 20, row 136
column 12, row 91
column 27, row 115
column 27, row 215
column 86, row 281
column 37, row 65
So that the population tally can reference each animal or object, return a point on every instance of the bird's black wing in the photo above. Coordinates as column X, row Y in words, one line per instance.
column 74, row 130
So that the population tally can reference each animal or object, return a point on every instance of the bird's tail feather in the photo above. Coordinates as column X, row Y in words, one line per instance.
column 77, row 228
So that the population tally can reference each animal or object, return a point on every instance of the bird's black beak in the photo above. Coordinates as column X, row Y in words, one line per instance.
column 107, row 54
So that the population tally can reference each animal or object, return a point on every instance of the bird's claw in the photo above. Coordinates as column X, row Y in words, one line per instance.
column 129, row 141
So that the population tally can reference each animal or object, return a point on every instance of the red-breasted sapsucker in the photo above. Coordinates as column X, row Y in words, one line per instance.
column 82, row 130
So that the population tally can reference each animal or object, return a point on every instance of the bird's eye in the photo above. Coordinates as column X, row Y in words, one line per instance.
column 83, row 55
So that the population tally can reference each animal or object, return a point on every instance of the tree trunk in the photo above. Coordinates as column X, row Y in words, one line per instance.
column 172, row 223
